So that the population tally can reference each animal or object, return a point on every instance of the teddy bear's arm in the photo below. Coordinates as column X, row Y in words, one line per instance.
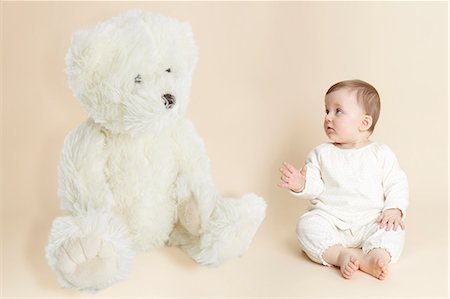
column 82, row 182
column 196, row 192
column 90, row 248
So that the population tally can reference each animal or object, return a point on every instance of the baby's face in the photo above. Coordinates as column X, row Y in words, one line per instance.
column 344, row 117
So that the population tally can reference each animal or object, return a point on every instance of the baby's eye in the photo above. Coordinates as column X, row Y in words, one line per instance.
column 339, row 111
column 327, row 111
column 168, row 70
column 138, row 79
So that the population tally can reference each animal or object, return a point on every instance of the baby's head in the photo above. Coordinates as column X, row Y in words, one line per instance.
column 352, row 111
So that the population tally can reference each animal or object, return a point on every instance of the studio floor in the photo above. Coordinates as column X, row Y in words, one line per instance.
column 274, row 266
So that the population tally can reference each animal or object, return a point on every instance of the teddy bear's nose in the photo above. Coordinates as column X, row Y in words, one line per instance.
column 169, row 100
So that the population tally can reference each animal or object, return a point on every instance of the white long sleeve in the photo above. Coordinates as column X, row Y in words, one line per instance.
column 314, row 184
column 395, row 184
column 352, row 186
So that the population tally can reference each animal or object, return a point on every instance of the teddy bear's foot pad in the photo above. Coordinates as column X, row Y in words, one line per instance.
column 87, row 263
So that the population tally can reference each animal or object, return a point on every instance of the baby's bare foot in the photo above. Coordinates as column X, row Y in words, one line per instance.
column 375, row 267
column 348, row 264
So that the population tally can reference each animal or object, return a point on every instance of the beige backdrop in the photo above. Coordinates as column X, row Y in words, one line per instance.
column 257, row 100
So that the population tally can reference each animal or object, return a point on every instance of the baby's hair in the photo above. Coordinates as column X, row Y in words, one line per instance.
column 367, row 96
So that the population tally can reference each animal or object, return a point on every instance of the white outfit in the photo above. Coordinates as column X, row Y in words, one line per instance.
column 348, row 189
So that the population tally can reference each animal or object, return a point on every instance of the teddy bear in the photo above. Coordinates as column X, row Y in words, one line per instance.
column 135, row 175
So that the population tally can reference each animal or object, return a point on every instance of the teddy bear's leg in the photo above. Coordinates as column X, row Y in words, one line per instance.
column 186, row 232
column 228, row 232
column 89, row 252
column 189, row 216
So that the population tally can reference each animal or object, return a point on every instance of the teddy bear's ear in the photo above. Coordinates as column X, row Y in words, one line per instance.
column 191, row 50
column 86, row 59
column 79, row 61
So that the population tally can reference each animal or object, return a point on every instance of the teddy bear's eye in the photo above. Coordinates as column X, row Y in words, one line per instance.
column 168, row 70
column 138, row 79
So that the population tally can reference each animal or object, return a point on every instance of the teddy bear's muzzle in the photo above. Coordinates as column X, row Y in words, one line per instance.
column 169, row 100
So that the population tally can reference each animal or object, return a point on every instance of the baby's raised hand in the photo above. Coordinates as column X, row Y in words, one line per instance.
column 292, row 178
column 391, row 218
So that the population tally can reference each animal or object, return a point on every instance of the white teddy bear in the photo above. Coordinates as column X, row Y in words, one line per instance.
column 135, row 176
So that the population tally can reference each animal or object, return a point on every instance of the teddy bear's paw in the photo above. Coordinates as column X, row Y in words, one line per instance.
column 250, row 212
column 231, row 229
column 87, row 263
column 189, row 216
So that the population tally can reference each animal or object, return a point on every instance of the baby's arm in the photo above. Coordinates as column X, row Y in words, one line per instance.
column 293, row 178
column 305, row 182
column 395, row 185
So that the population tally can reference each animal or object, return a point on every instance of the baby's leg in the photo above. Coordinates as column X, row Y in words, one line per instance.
column 381, row 248
column 375, row 263
column 321, row 241
column 343, row 258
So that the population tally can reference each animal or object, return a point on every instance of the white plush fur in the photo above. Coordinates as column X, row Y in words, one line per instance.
column 135, row 176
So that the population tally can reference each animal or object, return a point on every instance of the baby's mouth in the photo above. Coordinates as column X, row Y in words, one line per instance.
column 168, row 100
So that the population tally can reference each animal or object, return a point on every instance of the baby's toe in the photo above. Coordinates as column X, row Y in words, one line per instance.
column 348, row 271
column 379, row 263
column 347, row 274
column 354, row 266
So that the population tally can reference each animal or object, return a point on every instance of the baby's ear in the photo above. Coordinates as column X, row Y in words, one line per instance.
column 366, row 123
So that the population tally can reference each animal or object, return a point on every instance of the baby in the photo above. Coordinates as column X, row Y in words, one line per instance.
column 358, row 192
